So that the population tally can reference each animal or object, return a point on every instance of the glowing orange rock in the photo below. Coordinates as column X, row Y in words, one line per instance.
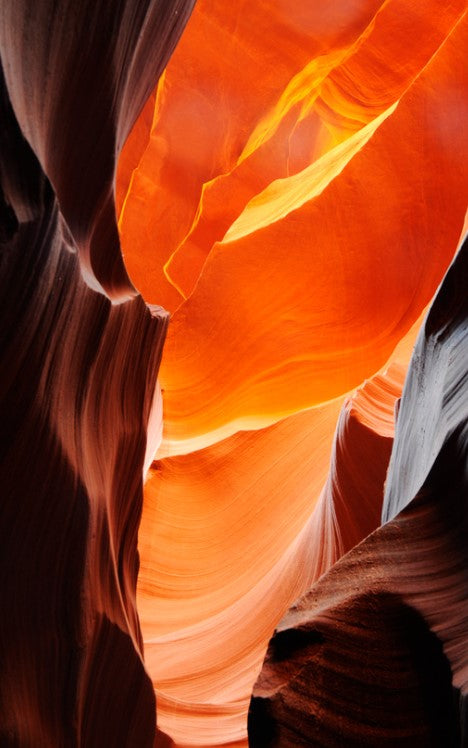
column 229, row 534
column 296, row 234
column 339, row 97
column 352, row 502
column 206, row 113
column 305, row 308
column 323, row 271
column 212, row 585
column 333, row 73
column 390, row 617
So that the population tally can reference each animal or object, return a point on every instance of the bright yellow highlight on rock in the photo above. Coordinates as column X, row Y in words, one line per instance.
column 285, row 195
column 293, row 194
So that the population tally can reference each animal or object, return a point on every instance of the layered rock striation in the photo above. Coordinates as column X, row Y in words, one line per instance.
column 292, row 190
column 80, row 356
column 375, row 653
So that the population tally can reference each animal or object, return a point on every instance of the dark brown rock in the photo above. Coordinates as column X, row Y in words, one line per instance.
column 375, row 653
column 78, row 373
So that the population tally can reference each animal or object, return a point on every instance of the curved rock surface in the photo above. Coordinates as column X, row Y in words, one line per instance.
column 352, row 500
column 292, row 190
column 78, row 373
column 296, row 235
column 257, row 334
column 78, row 76
column 261, row 335
column 212, row 587
column 375, row 653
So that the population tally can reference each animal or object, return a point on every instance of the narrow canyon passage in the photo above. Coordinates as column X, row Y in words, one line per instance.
column 233, row 373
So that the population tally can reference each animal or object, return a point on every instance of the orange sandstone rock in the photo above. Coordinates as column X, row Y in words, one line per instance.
column 375, row 653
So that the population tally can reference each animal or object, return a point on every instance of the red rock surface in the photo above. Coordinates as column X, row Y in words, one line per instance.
column 78, row 373
column 296, row 229
column 212, row 587
column 307, row 283
column 292, row 190
column 375, row 653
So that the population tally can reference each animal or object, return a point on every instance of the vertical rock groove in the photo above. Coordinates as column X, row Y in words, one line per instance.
column 78, row 373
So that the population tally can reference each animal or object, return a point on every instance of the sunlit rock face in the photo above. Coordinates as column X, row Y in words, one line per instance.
column 78, row 373
column 212, row 585
column 375, row 653
column 304, row 271
column 292, row 191
column 293, row 194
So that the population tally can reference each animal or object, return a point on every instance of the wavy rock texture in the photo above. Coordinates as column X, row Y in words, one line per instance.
column 292, row 191
column 256, row 333
column 375, row 653
column 296, row 233
column 353, row 495
column 78, row 373
column 212, row 587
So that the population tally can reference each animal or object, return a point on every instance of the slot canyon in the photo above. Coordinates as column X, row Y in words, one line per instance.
column 234, row 374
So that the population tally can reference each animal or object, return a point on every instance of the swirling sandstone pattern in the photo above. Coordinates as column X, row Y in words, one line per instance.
column 375, row 653
column 78, row 373
column 310, row 280
column 296, row 233
column 292, row 191
column 234, row 585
